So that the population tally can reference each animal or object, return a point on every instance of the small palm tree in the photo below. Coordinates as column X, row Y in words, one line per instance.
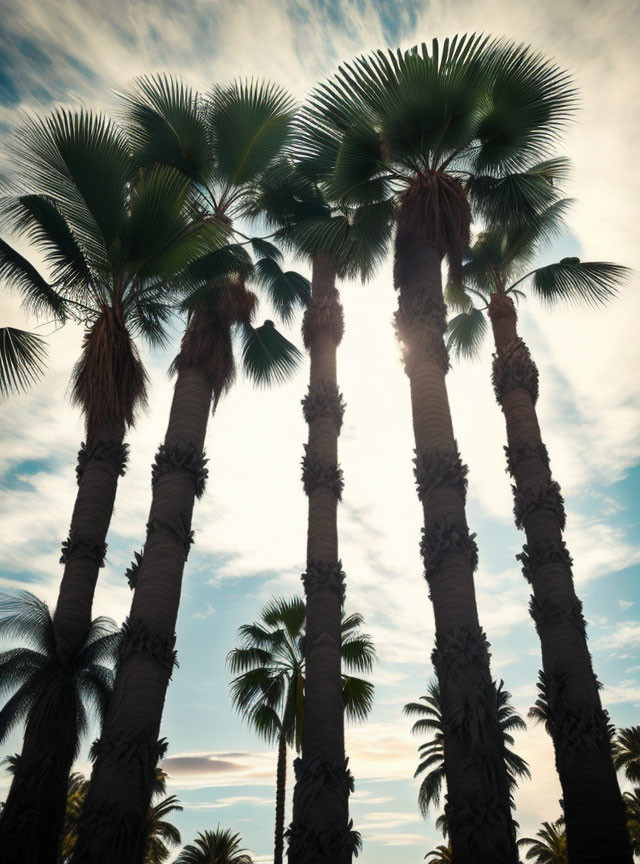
column 23, row 354
column 338, row 241
column 221, row 145
column 626, row 752
column 549, row 846
column 270, row 691
column 432, row 760
column 53, row 699
column 215, row 847
column 417, row 127
column 496, row 269
column 439, row 855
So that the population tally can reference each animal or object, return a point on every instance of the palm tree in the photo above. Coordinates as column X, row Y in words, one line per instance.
column 432, row 753
column 53, row 698
column 271, row 689
column 110, row 238
column 626, row 752
column 440, row 855
column 158, row 831
column 229, row 140
column 415, row 127
column 495, row 271
column 339, row 242
column 549, row 846
column 215, row 847
column 23, row 354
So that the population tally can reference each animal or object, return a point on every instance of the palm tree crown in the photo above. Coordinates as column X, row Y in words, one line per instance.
column 215, row 847
column 626, row 752
column 432, row 752
column 549, row 846
column 36, row 674
column 269, row 691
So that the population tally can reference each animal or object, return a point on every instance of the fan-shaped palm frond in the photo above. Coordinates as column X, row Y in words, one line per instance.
column 439, row 855
column 626, row 752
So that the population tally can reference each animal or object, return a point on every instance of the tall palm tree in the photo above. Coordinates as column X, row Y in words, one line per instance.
column 432, row 753
column 271, row 688
column 626, row 752
column 549, row 846
column 215, row 847
column 53, row 699
column 496, row 270
column 229, row 140
column 415, row 127
column 339, row 242
column 111, row 238
column 159, row 833
column 23, row 354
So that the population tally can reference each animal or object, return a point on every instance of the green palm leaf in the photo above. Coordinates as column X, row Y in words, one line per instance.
column 37, row 294
column 575, row 281
column 22, row 359
column 466, row 332
column 267, row 356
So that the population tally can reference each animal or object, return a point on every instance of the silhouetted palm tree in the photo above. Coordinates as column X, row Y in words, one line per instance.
column 496, row 270
column 549, row 846
column 432, row 753
column 270, row 691
column 215, row 847
column 626, row 752
column 222, row 145
column 53, row 699
column 632, row 812
column 339, row 242
column 415, row 127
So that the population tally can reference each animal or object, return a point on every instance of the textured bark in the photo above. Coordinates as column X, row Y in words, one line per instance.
column 592, row 802
column 100, row 464
column 32, row 819
column 319, row 833
column 112, row 825
column 281, row 783
column 478, row 809
column 33, row 814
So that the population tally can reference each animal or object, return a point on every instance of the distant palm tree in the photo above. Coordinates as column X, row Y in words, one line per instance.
column 22, row 354
column 432, row 753
column 270, row 691
column 417, row 127
column 626, row 752
column 632, row 812
column 339, row 242
column 158, row 831
column 53, row 699
column 439, row 855
column 549, row 846
column 495, row 270
column 215, row 847
column 221, row 144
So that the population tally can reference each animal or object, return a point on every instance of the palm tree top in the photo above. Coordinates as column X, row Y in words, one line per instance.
column 221, row 846
column 549, row 846
column 499, row 262
column 626, row 752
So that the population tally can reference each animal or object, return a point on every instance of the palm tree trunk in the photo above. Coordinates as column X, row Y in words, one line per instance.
column 34, row 812
column 319, row 832
column 478, row 809
column 281, row 782
column 32, row 819
column 100, row 465
column 593, row 805
column 113, row 820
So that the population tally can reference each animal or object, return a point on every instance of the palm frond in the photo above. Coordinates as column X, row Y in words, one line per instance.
column 466, row 332
column 22, row 359
column 357, row 696
column 38, row 296
column 286, row 290
column 267, row 356
column 571, row 280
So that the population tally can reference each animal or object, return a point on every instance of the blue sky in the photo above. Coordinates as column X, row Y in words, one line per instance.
column 250, row 527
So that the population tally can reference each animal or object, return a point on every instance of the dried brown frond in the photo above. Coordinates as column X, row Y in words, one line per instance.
column 108, row 382
column 207, row 343
column 434, row 210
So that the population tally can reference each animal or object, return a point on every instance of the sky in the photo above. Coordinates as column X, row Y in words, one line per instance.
column 251, row 524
